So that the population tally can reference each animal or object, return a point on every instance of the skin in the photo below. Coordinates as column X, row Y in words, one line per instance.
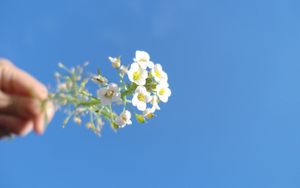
column 21, row 97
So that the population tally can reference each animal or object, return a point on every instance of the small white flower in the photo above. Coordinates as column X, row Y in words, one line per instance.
column 137, row 74
column 109, row 94
column 140, row 98
column 143, row 59
column 123, row 119
column 159, row 75
column 163, row 92
column 115, row 62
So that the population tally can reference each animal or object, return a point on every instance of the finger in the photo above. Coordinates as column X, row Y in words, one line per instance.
column 46, row 115
column 27, row 108
column 15, row 125
column 23, row 107
column 18, row 82
column 50, row 111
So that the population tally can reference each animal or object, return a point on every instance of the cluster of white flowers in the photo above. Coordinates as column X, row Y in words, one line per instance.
column 155, row 76
column 148, row 87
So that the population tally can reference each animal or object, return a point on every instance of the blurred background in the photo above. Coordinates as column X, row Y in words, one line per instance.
column 233, row 119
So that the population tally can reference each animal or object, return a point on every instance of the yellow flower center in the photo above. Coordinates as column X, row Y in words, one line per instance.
column 162, row 91
column 109, row 94
column 124, row 118
column 143, row 60
column 141, row 97
column 136, row 75
column 157, row 73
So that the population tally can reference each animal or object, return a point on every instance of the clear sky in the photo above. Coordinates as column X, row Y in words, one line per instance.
column 233, row 120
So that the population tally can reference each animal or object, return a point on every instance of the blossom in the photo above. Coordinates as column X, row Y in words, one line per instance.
column 109, row 94
column 146, row 86
column 137, row 75
column 143, row 59
column 159, row 75
column 163, row 92
column 123, row 119
column 115, row 62
column 140, row 98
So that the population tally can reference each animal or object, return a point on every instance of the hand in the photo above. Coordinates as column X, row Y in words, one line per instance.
column 21, row 99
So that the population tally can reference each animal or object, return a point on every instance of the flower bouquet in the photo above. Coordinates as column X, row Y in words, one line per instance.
column 142, row 87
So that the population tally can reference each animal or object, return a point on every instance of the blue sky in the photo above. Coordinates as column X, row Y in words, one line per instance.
column 233, row 118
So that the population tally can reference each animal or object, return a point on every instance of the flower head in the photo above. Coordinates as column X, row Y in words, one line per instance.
column 143, row 59
column 123, row 119
column 115, row 61
column 137, row 75
column 109, row 94
column 159, row 75
column 140, row 98
column 163, row 92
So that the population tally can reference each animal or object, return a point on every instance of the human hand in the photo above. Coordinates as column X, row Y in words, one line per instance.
column 23, row 102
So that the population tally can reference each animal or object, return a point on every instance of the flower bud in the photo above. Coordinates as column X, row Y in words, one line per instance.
column 89, row 125
column 115, row 62
column 99, row 79
column 77, row 120
column 123, row 70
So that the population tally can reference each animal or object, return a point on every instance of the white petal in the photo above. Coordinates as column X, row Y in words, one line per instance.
column 158, row 67
column 111, row 59
column 141, row 82
column 148, row 97
column 142, row 55
column 128, row 114
column 164, row 98
column 134, row 67
column 164, row 77
column 168, row 92
column 113, row 87
column 143, row 65
column 135, row 100
column 105, row 101
column 101, row 92
column 150, row 64
column 144, row 74
column 141, row 106
column 140, row 89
